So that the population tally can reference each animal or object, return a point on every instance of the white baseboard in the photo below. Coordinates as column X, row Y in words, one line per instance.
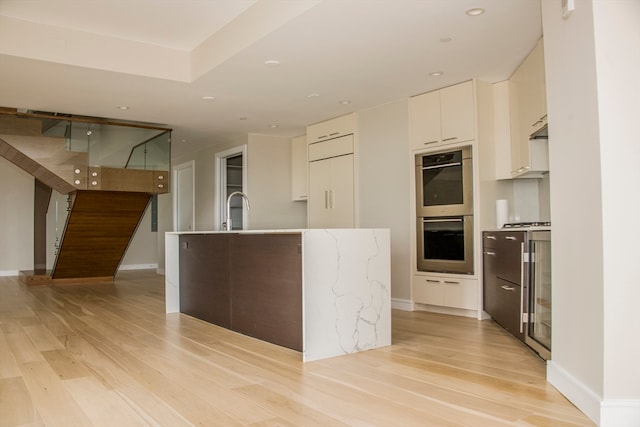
column 138, row 267
column 402, row 304
column 605, row 413
column 7, row 273
column 445, row 310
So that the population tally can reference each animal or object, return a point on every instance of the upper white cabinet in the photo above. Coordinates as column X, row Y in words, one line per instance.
column 331, row 201
column 444, row 116
column 340, row 126
column 528, row 104
column 299, row 168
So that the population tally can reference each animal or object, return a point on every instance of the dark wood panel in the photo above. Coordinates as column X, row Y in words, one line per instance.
column 204, row 277
column 266, row 287
column 98, row 231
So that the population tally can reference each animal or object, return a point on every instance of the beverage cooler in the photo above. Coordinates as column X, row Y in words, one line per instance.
column 539, row 323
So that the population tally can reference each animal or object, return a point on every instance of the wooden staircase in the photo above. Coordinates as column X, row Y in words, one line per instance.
column 99, row 228
column 107, row 204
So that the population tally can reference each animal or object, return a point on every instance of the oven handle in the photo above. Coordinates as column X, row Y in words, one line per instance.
column 445, row 165
column 443, row 220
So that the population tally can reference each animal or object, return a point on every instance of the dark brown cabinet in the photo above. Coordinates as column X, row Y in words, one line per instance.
column 249, row 283
column 504, row 294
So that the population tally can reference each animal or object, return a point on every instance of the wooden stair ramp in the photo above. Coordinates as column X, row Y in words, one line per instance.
column 99, row 229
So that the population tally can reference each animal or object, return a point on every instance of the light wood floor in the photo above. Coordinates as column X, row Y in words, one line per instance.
column 107, row 355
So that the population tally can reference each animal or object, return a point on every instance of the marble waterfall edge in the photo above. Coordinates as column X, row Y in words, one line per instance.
column 347, row 291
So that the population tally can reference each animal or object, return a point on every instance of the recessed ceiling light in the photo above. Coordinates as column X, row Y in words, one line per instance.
column 273, row 126
column 123, row 107
column 313, row 95
column 475, row 11
column 208, row 98
column 436, row 73
column 272, row 62
column 345, row 102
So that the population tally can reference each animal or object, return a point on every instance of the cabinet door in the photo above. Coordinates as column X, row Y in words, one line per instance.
column 424, row 113
column 341, row 193
column 457, row 113
column 205, row 292
column 318, row 201
column 428, row 290
column 461, row 293
column 299, row 168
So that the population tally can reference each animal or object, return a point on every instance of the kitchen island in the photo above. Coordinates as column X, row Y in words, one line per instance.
column 323, row 292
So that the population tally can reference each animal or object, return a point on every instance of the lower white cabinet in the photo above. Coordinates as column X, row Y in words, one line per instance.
column 331, row 193
column 453, row 291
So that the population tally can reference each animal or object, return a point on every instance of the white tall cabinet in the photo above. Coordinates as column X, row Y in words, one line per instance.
column 450, row 118
column 331, row 197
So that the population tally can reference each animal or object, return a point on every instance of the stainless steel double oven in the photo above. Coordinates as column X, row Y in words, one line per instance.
column 444, row 211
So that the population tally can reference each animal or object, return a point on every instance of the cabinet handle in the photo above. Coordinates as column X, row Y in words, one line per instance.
column 322, row 137
column 489, row 253
column 510, row 238
column 451, row 282
column 334, row 133
column 523, row 257
column 432, row 281
column 490, row 237
column 450, row 139
column 511, row 289
column 431, row 142
column 326, row 199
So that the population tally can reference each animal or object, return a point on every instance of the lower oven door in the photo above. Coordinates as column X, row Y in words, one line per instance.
column 445, row 244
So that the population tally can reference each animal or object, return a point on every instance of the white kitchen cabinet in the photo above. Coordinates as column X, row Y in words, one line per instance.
column 299, row 168
column 444, row 116
column 333, row 128
column 331, row 193
column 528, row 103
column 446, row 291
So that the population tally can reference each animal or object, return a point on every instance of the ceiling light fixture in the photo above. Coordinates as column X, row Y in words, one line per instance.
column 208, row 98
column 476, row 11
column 122, row 107
column 436, row 73
column 313, row 95
column 272, row 62
column 273, row 126
column 345, row 102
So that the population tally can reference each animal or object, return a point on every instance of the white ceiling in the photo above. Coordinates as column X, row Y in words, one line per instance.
column 160, row 57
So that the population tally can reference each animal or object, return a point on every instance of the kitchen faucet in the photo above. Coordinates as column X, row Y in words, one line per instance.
column 227, row 226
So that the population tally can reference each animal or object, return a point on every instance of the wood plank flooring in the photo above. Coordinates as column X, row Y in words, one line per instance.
column 108, row 355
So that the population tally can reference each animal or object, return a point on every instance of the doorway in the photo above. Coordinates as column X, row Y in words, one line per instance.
column 232, row 176
column 183, row 197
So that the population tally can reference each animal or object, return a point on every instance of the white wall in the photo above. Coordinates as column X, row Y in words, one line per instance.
column 269, row 185
column 593, row 96
column 384, row 173
column 16, row 219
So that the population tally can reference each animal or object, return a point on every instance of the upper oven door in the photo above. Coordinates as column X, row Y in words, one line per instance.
column 444, row 183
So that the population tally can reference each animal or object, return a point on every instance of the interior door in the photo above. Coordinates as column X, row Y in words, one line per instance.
column 184, row 198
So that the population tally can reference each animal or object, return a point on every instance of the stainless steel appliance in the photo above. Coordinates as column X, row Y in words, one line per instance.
column 538, row 334
column 444, row 183
column 445, row 244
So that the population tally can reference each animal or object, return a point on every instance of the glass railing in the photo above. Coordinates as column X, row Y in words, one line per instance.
column 90, row 153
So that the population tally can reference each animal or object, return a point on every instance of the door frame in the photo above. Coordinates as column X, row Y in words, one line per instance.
column 176, row 169
column 221, row 179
